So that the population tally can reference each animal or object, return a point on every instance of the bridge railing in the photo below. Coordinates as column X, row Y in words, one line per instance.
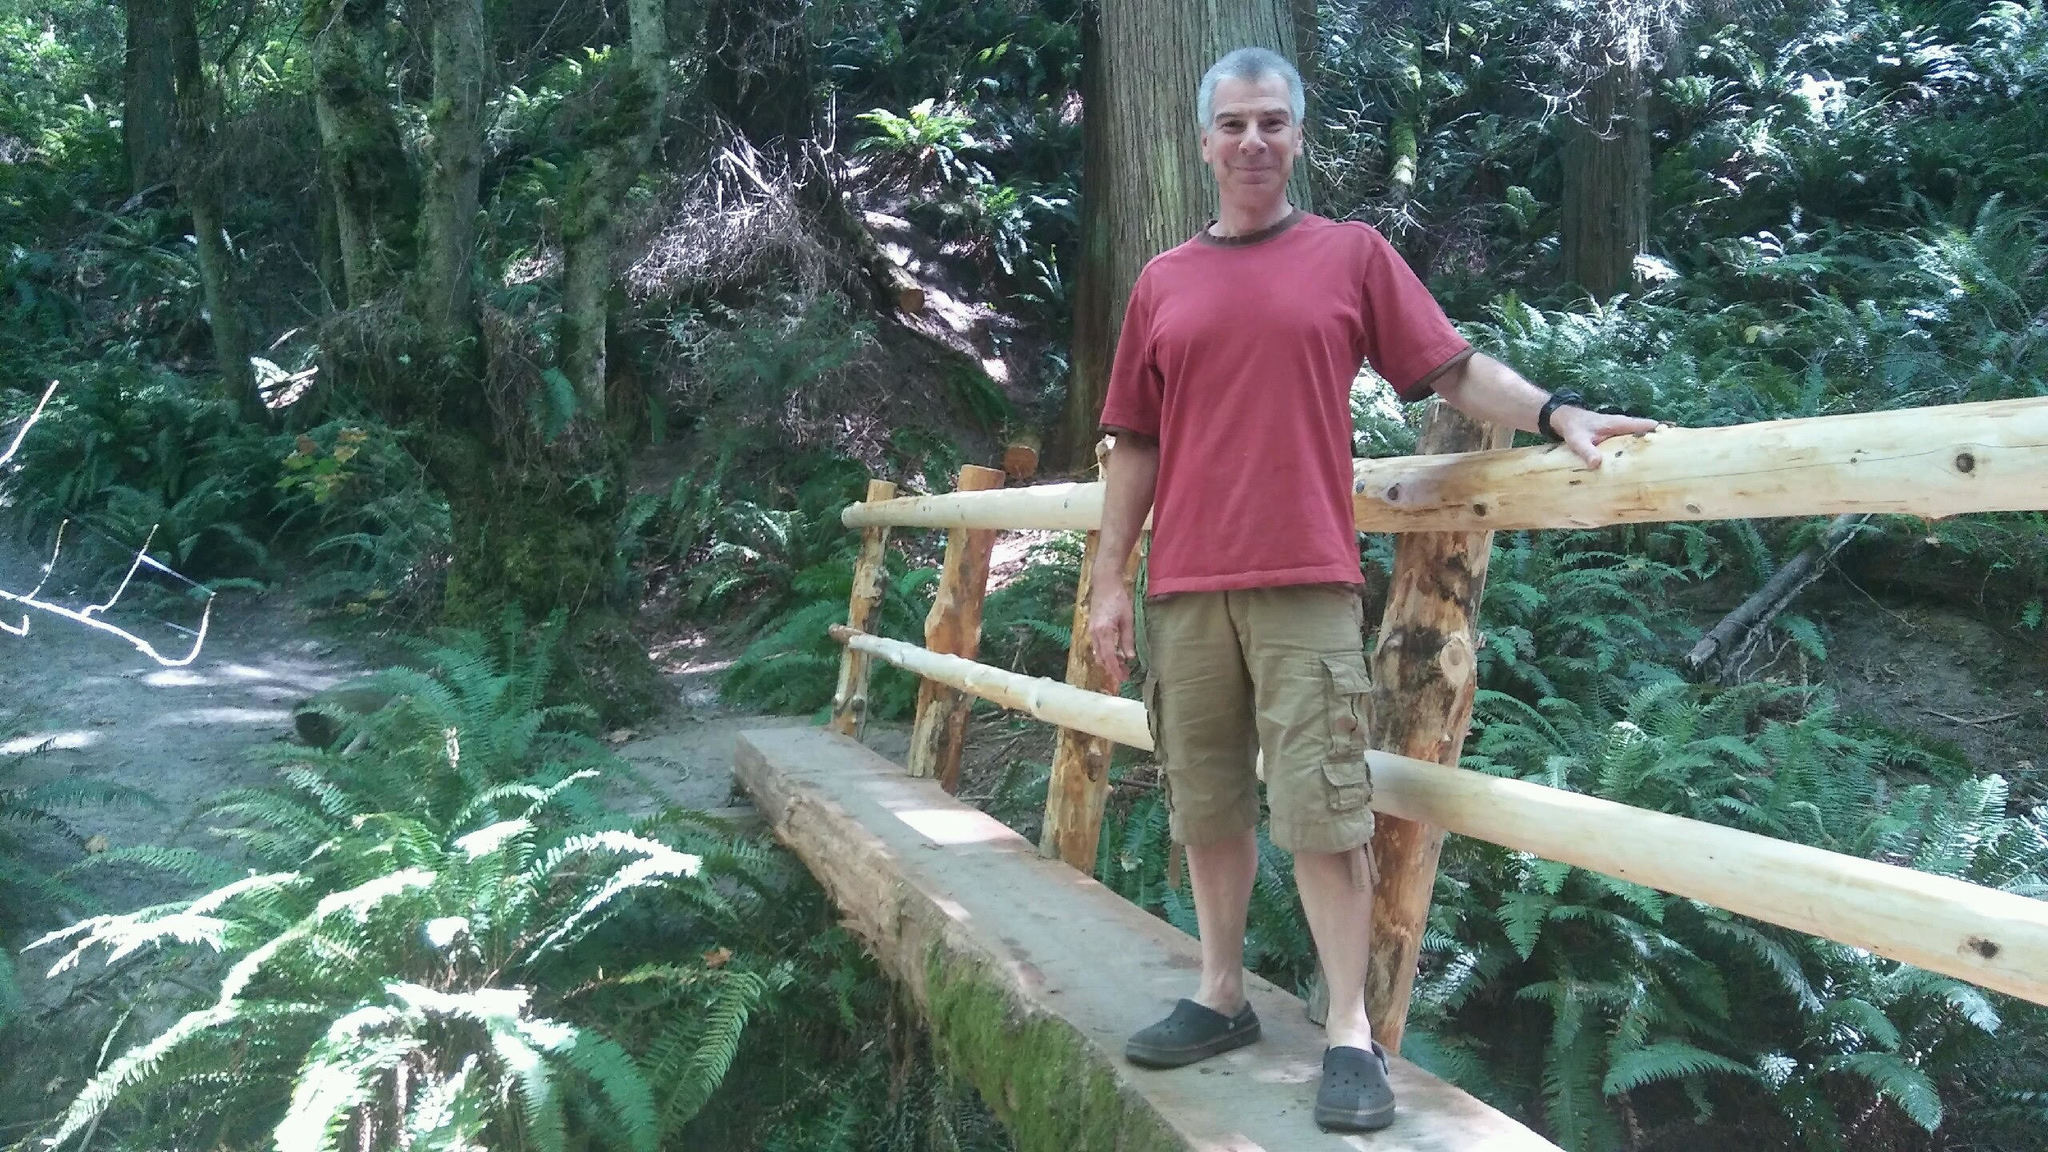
column 1931, row 462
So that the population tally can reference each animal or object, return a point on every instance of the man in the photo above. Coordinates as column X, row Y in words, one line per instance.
column 1230, row 401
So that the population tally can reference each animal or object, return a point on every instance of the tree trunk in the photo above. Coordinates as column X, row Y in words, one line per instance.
column 1144, row 187
column 616, row 147
column 526, row 533
column 371, row 185
column 198, row 171
column 443, row 298
column 149, row 95
column 1605, row 202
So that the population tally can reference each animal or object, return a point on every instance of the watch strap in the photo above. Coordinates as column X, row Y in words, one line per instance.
column 1557, row 400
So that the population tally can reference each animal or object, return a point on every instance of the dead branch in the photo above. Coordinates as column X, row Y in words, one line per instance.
column 1730, row 641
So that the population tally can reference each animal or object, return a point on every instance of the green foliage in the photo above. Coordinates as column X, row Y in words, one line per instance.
column 1027, row 623
column 1626, row 989
column 444, row 932
column 927, row 144
column 792, row 665
column 32, row 824
column 126, row 448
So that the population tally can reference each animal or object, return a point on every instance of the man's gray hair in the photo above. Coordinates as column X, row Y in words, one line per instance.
column 1253, row 65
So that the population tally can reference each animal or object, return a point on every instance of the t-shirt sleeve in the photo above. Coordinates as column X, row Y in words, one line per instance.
column 1135, row 386
column 1407, row 335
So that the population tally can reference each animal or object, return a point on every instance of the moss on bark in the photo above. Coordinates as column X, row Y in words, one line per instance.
column 1052, row 1088
column 522, row 539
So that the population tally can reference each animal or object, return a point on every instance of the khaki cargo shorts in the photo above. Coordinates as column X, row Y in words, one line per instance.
column 1275, row 669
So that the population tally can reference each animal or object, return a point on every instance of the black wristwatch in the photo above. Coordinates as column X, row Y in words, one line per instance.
column 1557, row 400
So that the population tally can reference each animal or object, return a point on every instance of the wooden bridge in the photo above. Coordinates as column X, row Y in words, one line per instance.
column 1030, row 974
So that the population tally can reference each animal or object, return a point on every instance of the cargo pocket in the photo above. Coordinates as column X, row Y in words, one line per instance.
column 1347, row 783
column 1346, row 705
column 1157, row 727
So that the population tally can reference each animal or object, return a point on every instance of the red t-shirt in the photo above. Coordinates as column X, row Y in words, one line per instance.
column 1239, row 357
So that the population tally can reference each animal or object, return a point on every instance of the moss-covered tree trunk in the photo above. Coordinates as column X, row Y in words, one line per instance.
column 372, row 190
column 1606, row 198
column 533, row 521
column 616, row 146
column 443, row 299
column 199, row 186
column 1144, row 187
column 148, row 95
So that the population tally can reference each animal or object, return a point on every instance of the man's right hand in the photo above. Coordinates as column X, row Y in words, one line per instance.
column 1112, row 631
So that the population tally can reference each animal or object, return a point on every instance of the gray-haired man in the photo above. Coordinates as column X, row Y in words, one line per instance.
column 1230, row 398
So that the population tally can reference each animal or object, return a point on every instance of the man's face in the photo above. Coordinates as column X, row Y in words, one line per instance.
column 1252, row 139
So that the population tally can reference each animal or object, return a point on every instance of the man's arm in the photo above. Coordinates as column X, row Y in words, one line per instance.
column 1490, row 391
column 1132, row 476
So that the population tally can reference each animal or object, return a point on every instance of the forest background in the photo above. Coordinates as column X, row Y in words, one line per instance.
column 570, row 325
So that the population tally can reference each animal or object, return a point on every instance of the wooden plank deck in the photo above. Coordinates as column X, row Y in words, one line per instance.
column 1031, row 975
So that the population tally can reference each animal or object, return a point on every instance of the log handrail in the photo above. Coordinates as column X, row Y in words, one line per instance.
column 1994, row 939
column 1933, row 462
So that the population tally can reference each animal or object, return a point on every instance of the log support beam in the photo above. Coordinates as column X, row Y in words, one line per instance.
column 870, row 576
column 1079, row 786
column 1425, row 671
column 953, row 627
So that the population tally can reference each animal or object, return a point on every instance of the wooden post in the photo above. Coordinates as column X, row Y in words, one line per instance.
column 953, row 627
column 1425, row 671
column 850, row 699
column 1080, row 762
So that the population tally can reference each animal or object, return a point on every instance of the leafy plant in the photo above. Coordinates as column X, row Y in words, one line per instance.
column 31, row 823
column 928, row 143
column 446, row 937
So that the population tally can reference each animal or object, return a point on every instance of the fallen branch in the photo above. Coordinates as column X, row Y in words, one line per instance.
column 1960, row 720
column 1731, row 641
column 33, row 416
column 32, row 600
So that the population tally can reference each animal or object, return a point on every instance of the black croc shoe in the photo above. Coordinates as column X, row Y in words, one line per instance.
column 1355, row 1095
column 1192, row 1032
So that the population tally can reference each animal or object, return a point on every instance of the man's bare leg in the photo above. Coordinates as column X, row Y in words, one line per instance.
column 1336, row 892
column 1221, row 873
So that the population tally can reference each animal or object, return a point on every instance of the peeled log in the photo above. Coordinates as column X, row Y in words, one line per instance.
column 1424, row 672
column 1994, row 939
column 1079, row 786
column 1930, row 462
column 953, row 626
column 1020, row 457
column 850, row 698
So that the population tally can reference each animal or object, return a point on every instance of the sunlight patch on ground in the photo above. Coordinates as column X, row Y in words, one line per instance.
column 22, row 745
column 176, row 678
column 952, row 827
column 226, row 716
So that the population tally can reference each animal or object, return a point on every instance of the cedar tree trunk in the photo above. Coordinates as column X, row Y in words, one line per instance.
column 1605, row 202
column 1144, row 187
column 149, row 96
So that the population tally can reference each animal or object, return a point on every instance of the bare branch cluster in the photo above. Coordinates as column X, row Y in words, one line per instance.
column 92, row 615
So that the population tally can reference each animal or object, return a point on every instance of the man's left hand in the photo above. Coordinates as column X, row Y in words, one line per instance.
column 1583, row 430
